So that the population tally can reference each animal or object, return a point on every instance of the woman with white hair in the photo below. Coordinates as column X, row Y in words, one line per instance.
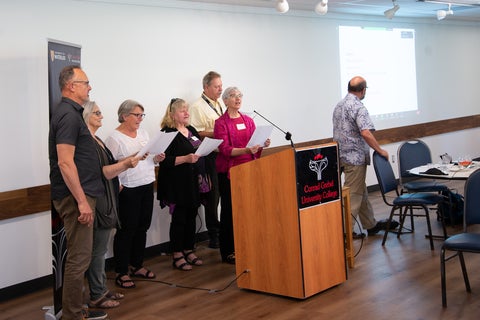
column 105, row 212
column 136, row 195
column 235, row 129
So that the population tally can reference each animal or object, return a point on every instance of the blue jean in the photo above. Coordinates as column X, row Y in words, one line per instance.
column 97, row 279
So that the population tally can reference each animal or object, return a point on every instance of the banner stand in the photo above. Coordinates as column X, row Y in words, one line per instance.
column 60, row 55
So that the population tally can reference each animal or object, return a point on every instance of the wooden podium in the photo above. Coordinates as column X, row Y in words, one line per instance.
column 288, row 243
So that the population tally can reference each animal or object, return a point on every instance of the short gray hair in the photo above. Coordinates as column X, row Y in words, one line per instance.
column 126, row 107
column 226, row 93
column 87, row 110
column 209, row 78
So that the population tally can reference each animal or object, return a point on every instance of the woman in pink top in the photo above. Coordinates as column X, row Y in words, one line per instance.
column 235, row 129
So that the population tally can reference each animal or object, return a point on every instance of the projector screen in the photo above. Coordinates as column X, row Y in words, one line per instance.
column 385, row 57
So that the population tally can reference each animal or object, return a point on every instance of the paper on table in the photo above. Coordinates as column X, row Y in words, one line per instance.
column 158, row 144
column 207, row 146
column 261, row 134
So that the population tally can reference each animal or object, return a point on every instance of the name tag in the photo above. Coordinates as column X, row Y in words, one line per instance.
column 194, row 138
column 241, row 126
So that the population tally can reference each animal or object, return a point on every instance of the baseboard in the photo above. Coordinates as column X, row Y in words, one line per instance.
column 45, row 282
column 26, row 287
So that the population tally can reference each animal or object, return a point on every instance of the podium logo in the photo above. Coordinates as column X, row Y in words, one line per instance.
column 318, row 164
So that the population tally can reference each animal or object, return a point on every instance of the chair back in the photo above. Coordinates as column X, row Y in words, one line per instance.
column 385, row 176
column 472, row 200
column 411, row 154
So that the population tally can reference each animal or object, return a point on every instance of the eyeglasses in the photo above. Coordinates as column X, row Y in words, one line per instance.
column 236, row 95
column 85, row 82
column 138, row 115
column 97, row 113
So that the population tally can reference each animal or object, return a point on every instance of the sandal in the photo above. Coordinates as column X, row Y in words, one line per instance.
column 196, row 261
column 182, row 266
column 147, row 275
column 122, row 282
column 114, row 295
column 104, row 303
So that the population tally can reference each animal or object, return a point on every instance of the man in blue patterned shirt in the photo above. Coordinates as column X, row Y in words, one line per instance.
column 352, row 129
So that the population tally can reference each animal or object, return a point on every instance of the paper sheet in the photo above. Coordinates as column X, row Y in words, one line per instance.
column 158, row 144
column 261, row 134
column 207, row 146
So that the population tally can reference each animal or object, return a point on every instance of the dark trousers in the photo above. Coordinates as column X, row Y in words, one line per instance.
column 211, row 199
column 182, row 228
column 226, row 221
column 135, row 215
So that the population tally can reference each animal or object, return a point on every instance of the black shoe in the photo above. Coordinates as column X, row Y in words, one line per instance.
column 358, row 235
column 229, row 259
column 94, row 315
column 382, row 225
column 373, row 231
column 214, row 243
column 393, row 225
column 384, row 222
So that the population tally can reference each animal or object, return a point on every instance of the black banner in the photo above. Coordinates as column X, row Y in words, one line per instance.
column 318, row 178
column 60, row 55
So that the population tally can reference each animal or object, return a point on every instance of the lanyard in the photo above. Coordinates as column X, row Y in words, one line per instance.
column 211, row 106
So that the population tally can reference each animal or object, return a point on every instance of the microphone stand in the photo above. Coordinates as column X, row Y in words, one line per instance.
column 288, row 135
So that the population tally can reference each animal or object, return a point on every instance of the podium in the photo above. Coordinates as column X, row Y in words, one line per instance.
column 288, row 222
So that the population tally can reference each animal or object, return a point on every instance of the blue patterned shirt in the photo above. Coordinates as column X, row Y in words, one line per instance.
column 350, row 117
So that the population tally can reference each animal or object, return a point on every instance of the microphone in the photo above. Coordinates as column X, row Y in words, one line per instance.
column 288, row 135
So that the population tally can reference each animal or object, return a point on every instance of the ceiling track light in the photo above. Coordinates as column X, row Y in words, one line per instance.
column 441, row 14
column 322, row 7
column 391, row 12
column 282, row 6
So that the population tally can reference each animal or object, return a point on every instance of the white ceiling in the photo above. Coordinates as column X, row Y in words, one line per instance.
column 408, row 8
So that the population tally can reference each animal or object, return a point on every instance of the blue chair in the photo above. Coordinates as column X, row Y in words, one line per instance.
column 465, row 241
column 415, row 153
column 404, row 203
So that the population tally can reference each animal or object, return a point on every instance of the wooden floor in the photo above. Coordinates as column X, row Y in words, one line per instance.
column 398, row 281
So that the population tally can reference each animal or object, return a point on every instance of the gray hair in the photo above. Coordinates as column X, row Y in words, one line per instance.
column 126, row 107
column 87, row 110
column 226, row 93
column 66, row 74
column 209, row 77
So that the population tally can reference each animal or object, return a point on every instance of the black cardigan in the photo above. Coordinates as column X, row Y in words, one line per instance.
column 178, row 184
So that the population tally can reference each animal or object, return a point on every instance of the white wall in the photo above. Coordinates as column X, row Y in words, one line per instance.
column 286, row 65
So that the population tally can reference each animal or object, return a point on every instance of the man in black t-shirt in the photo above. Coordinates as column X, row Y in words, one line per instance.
column 75, row 177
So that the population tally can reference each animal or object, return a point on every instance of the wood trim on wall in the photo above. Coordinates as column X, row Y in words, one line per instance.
column 21, row 202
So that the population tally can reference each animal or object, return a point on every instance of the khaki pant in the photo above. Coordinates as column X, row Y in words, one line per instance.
column 360, row 205
column 79, row 251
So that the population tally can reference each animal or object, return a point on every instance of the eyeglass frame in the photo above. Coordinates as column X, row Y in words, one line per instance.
column 138, row 115
column 98, row 113
column 86, row 82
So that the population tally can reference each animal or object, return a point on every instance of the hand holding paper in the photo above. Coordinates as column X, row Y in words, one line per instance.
column 261, row 134
column 158, row 144
column 207, row 146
